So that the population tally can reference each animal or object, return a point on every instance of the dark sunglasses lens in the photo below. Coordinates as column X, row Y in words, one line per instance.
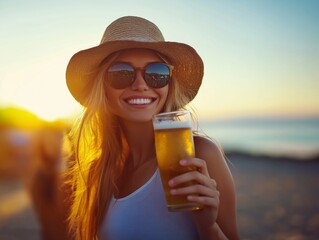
column 120, row 75
column 157, row 75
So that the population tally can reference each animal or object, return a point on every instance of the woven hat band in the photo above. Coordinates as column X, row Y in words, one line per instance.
column 132, row 29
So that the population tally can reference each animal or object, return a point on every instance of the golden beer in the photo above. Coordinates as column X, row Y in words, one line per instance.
column 174, row 142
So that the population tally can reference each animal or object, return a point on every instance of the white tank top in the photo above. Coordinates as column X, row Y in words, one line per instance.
column 143, row 215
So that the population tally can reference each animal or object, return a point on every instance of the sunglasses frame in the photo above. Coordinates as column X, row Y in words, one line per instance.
column 170, row 68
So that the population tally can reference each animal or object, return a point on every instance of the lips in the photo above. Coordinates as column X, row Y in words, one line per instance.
column 140, row 100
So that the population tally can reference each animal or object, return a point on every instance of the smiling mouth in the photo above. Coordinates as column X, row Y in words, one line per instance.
column 140, row 101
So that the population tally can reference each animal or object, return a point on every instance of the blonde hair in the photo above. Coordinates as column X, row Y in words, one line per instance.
column 100, row 151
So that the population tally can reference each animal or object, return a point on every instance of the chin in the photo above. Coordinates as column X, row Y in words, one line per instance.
column 138, row 118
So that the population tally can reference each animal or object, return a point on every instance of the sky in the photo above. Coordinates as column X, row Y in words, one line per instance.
column 261, row 57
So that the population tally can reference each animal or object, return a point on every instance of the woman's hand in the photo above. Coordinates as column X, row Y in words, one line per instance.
column 203, row 192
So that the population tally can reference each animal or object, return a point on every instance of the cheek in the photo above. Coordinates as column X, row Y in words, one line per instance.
column 112, row 96
column 163, row 92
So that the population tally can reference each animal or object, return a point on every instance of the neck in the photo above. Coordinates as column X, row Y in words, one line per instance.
column 140, row 137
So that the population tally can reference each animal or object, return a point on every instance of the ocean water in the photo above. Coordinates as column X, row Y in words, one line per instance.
column 289, row 137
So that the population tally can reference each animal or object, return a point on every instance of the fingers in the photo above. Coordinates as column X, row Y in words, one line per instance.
column 200, row 194
column 203, row 190
column 201, row 176
column 195, row 190
column 193, row 176
column 205, row 201
column 200, row 164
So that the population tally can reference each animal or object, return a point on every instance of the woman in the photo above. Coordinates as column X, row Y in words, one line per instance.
column 117, row 192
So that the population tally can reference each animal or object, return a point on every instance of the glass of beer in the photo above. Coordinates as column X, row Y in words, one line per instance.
column 174, row 142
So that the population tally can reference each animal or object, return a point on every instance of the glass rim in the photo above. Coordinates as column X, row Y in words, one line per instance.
column 171, row 113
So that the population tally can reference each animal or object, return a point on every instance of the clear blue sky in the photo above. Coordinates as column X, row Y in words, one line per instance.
column 261, row 57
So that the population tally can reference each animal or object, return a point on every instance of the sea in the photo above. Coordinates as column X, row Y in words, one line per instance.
column 296, row 138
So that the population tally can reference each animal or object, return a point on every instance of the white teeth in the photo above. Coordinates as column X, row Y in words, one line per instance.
column 140, row 101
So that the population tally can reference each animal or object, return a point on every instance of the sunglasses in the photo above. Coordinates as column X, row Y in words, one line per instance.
column 122, row 75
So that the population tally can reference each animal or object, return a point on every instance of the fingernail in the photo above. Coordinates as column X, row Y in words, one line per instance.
column 190, row 197
column 173, row 191
column 170, row 182
column 182, row 162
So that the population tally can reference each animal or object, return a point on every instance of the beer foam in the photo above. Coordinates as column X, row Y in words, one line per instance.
column 171, row 125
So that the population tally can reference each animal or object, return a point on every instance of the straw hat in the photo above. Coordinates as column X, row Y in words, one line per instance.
column 134, row 32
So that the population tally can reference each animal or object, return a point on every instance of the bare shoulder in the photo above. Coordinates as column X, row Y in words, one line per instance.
column 216, row 163
column 204, row 145
column 218, row 169
column 211, row 152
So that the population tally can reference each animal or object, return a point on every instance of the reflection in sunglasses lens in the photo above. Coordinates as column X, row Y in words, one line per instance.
column 122, row 75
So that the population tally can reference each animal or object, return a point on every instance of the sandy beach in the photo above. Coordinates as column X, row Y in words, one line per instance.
column 276, row 199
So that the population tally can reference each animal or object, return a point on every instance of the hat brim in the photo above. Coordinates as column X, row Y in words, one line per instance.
column 188, row 66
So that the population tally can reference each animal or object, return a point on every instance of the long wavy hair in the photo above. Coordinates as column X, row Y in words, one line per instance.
column 100, row 150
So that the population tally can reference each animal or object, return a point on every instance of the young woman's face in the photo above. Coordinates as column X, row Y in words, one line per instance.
column 137, row 102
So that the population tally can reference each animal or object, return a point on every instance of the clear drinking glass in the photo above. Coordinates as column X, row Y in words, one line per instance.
column 174, row 142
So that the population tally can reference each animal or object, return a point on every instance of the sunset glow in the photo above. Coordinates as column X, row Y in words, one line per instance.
column 260, row 58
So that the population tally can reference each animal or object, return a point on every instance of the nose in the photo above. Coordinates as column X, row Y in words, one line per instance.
column 139, row 82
